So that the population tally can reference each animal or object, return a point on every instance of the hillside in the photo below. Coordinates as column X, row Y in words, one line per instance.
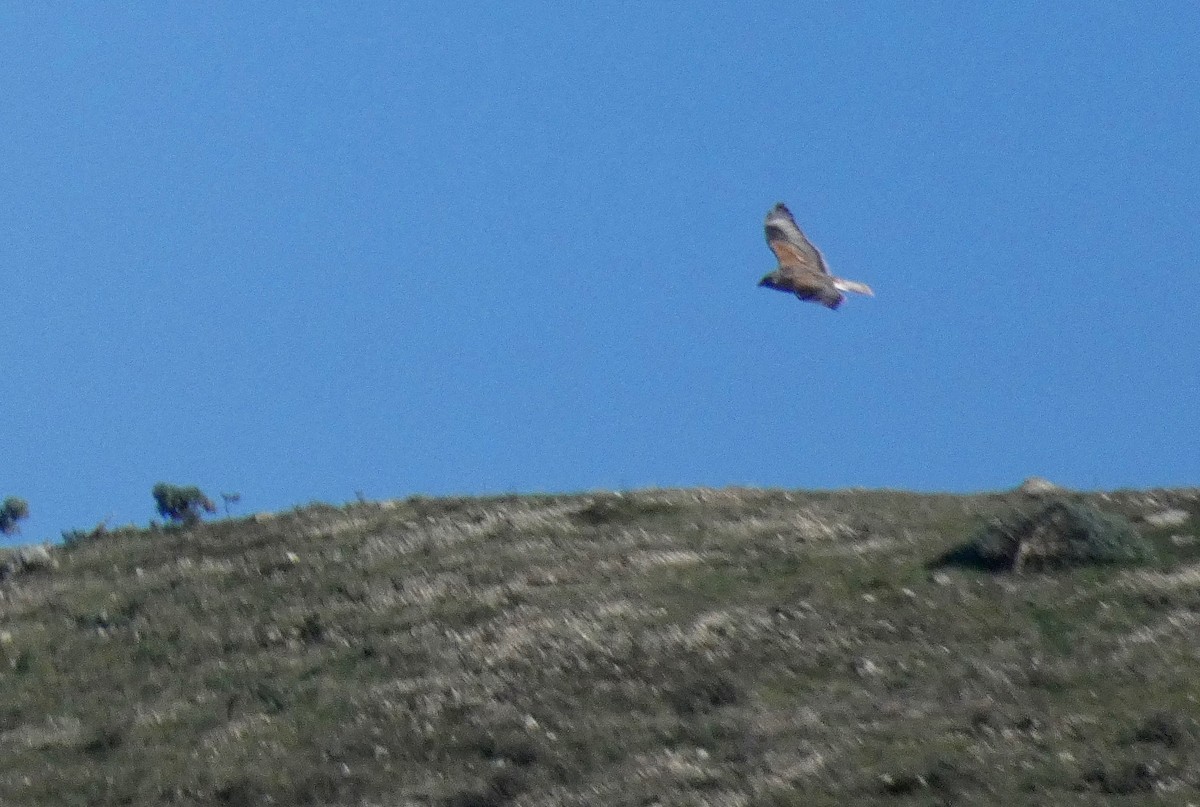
column 669, row 647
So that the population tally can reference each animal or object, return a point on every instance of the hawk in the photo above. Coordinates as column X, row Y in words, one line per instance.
column 802, row 270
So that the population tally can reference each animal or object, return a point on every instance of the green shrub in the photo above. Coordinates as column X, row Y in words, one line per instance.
column 1165, row 728
column 312, row 630
column 623, row 508
column 1121, row 778
column 700, row 693
column 1059, row 535
column 181, row 505
column 11, row 511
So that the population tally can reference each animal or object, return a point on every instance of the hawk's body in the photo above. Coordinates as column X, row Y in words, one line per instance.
column 802, row 270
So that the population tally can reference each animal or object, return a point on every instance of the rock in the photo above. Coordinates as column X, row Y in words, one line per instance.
column 865, row 668
column 1039, row 486
column 1168, row 518
column 36, row 558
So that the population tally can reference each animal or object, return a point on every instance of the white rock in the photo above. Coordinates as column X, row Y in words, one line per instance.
column 1039, row 486
column 33, row 558
column 1168, row 518
column 865, row 667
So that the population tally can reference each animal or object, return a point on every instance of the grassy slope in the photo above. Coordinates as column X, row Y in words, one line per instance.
column 731, row 647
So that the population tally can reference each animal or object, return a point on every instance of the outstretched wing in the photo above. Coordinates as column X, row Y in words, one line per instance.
column 789, row 244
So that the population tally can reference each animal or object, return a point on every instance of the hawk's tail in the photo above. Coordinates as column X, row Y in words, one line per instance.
column 854, row 286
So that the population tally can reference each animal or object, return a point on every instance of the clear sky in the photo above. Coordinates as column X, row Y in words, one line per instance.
column 299, row 251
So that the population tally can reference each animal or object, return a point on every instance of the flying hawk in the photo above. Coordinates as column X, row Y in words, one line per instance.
column 802, row 270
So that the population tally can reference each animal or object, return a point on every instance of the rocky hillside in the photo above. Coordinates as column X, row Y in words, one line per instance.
column 673, row 647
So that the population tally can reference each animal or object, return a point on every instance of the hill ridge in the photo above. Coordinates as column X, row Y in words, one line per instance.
column 678, row 646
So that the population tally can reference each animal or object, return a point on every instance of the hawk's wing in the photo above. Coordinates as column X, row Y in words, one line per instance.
column 789, row 244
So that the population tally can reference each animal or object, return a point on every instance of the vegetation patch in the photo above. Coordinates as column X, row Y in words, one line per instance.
column 12, row 510
column 625, row 509
column 182, row 505
column 1059, row 535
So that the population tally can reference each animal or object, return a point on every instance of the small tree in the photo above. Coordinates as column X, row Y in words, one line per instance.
column 230, row 499
column 181, row 505
column 11, row 511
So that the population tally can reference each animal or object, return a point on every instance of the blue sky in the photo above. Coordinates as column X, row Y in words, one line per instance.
column 300, row 251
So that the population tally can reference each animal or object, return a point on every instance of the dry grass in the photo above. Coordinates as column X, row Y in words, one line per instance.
column 671, row 647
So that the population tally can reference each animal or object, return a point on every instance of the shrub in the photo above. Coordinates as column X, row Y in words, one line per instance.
column 623, row 508
column 105, row 740
column 230, row 499
column 311, row 630
column 700, row 694
column 72, row 537
column 1121, row 778
column 1059, row 535
column 11, row 511
column 1164, row 728
column 181, row 505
